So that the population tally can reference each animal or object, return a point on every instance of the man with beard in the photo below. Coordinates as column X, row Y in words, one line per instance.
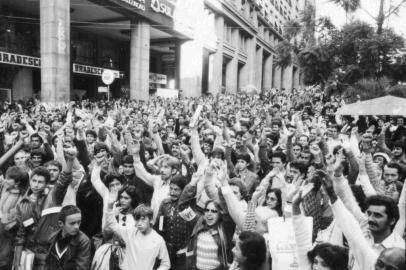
column 69, row 247
column 168, row 167
column 175, row 222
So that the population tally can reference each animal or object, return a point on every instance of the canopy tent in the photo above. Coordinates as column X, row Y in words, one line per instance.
column 387, row 105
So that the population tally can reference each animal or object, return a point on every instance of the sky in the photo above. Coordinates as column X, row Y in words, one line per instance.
column 368, row 8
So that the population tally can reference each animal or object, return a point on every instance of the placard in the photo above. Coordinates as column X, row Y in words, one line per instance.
column 282, row 243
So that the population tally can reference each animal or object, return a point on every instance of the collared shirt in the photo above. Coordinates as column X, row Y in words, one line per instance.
column 393, row 240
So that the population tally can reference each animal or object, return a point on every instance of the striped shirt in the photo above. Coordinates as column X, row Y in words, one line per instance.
column 206, row 254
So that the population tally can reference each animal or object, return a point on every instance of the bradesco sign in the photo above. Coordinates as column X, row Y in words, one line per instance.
column 97, row 71
column 19, row 60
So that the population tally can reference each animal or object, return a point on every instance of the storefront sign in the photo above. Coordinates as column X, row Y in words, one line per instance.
column 166, row 7
column 157, row 78
column 138, row 4
column 20, row 60
column 97, row 71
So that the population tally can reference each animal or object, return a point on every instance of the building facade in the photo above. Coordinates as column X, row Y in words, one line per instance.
column 59, row 49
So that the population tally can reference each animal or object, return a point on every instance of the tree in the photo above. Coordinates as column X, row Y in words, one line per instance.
column 316, row 65
column 348, row 5
column 383, row 15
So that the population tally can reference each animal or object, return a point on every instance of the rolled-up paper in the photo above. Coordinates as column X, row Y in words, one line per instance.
column 195, row 116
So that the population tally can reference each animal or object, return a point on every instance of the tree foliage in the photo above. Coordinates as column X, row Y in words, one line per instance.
column 351, row 54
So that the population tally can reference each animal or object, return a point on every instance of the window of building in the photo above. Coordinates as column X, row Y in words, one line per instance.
column 243, row 40
column 227, row 33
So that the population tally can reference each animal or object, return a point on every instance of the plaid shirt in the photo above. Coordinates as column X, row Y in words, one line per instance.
column 314, row 204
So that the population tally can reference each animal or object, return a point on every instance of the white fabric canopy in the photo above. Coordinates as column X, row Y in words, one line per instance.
column 387, row 105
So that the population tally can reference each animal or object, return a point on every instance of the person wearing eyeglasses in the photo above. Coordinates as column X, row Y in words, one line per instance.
column 210, row 244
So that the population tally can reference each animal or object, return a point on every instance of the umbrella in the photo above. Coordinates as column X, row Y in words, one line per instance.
column 387, row 105
column 250, row 89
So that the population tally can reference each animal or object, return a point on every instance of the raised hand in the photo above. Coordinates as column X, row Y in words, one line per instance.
column 112, row 199
column 70, row 153
column 133, row 148
column 366, row 142
column 328, row 185
column 258, row 193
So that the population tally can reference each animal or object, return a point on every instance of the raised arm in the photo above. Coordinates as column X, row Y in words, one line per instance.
column 400, row 225
column 97, row 182
column 302, row 236
column 134, row 150
column 363, row 252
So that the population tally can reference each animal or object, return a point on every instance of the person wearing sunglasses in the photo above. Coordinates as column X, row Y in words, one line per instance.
column 210, row 244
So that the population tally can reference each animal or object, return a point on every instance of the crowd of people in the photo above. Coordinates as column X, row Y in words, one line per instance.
column 228, row 181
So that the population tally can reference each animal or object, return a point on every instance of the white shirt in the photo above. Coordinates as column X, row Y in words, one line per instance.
column 141, row 250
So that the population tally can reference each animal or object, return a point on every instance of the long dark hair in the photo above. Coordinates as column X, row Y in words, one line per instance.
column 218, row 207
column 133, row 193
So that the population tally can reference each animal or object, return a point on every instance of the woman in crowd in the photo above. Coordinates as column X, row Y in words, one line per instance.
column 210, row 244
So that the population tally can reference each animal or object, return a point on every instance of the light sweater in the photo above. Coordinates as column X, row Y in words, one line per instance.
column 206, row 252
column 141, row 250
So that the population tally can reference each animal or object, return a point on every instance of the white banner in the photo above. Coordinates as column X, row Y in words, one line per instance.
column 19, row 60
column 282, row 243
column 97, row 71
column 157, row 78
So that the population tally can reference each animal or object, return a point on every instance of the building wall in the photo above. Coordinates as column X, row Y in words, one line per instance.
column 246, row 34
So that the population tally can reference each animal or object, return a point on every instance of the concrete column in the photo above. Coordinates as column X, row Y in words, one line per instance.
column 191, row 68
column 267, row 72
column 232, row 66
column 252, row 61
column 139, row 60
column 216, row 60
column 287, row 81
column 277, row 78
column 259, row 55
column 22, row 84
column 231, row 75
column 55, row 50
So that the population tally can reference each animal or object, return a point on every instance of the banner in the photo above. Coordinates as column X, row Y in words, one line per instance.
column 282, row 243
column 19, row 60
column 97, row 71
column 157, row 78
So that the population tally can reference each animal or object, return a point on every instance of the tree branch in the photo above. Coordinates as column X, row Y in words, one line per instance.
column 395, row 9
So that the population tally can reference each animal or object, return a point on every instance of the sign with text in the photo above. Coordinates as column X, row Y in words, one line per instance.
column 19, row 60
column 138, row 4
column 157, row 78
column 97, row 71
column 166, row 7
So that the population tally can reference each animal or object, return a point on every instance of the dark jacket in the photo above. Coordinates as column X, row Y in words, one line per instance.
column 36, row 221
column 222, row 234
column 76, row 257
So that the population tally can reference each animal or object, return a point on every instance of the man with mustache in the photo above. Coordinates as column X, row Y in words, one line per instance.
column 379, row 220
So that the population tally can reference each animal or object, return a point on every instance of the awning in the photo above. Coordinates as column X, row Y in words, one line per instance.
column 387, row 105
